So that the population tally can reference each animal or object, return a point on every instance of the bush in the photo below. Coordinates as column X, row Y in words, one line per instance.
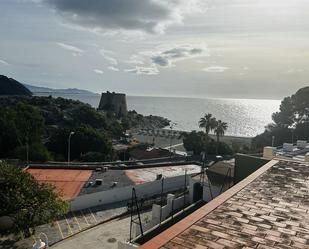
column 223, row 148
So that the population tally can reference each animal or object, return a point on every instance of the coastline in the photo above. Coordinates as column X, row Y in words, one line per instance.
column 236, row 139
column 176, row 143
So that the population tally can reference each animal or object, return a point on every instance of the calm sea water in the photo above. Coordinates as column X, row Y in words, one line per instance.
column 245, row 117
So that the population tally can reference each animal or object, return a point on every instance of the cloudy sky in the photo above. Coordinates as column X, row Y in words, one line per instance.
column 206, row 48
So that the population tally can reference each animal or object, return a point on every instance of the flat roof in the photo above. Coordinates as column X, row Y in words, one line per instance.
column 139, row 176
column 268, row 209
column 72, row 182
column 128, row 177
column 108, row 178
column 68, row 182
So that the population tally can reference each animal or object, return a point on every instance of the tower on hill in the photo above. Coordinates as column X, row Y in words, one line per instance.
column 114, row 102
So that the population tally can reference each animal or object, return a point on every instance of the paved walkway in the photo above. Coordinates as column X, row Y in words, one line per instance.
column 104, row 236
column 75, row 222
column 68, row 225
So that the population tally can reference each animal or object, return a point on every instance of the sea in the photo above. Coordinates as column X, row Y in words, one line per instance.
column 245, row 117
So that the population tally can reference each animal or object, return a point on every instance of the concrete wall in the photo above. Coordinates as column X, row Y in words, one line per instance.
column 145, row 190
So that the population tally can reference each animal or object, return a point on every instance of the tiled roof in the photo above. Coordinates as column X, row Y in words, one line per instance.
column 269, row 209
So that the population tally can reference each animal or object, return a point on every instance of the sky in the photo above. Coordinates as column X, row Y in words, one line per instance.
column 209, row 48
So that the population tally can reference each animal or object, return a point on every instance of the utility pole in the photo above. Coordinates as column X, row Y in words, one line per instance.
column 69, row 146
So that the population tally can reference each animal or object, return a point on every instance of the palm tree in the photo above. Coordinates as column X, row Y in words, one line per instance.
column 219, row 130
column 207, row 122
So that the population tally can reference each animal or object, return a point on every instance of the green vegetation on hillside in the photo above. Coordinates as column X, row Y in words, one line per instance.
column 41, row 126
column 290, row 123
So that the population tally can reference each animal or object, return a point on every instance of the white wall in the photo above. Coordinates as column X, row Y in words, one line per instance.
column 165, row 211
column 145, row 190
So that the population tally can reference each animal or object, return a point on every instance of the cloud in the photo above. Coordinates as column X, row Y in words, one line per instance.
column 150, row 16
column 215, row 69
column 295, row 70
column 107, row 56
column 112, row 68
column 166, row 58
column 3, row 62
column 98, row 71
column 135, row 59
column 143, row 70
column 75, row 50
column 148, row 62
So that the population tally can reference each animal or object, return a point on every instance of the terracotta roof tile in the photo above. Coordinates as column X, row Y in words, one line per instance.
column 269, row 209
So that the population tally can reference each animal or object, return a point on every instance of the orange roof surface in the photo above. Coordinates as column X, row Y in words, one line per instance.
column 66, row 181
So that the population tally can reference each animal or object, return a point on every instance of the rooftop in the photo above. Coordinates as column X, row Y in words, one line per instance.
column 268, row 209
column 296, row 151
column 69, row 182
column 74, row 182
column 108, row 179
column 150, row 174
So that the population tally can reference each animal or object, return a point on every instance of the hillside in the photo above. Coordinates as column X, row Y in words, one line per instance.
column 39, row 89
column 10, row 86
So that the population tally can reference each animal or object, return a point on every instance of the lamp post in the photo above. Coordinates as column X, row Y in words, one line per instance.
column 69, row 146
column 171, row 127
column 27, row 149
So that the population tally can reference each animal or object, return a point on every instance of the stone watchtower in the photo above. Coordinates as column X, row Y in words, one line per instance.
column 114, row 102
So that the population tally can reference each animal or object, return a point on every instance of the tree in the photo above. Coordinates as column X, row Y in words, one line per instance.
column 83, row 114
column 86, row 139
column 292, row 121
column 199, row 142
column 8, row 133
column 207, row 122
column 195, row 141
column 21, row 125
column 29, row 124
column 27, row 202
column 220, row 128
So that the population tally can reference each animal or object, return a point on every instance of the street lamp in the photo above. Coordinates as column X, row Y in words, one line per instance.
column 171, row 127
column 69, row 146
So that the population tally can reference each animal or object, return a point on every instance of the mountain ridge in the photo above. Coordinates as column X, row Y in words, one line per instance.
column 40, row 89
column 11, row 87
